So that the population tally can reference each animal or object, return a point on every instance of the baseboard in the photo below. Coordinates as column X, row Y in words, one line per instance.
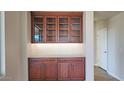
column 100, row 67
column 2, row 76
column 120, row 79
column 96, row 65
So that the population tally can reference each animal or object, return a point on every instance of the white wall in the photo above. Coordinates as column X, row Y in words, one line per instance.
column 89, row 44
column 57, row 50
column 2, row 43
column 13, row 45
column 116, row 46
column 25, row 28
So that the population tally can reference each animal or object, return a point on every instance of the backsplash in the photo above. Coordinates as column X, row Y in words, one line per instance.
column 56, row 50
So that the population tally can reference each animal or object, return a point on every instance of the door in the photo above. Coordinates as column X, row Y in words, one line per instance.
column 64, row 71
column 103, row 48
column 75, row 29
column 34, row 71
column 51, row 71
column 63, row 29
column 77, row 71
column 51, row 29
column 37, row 29
column 71, row 69
column 43, row 69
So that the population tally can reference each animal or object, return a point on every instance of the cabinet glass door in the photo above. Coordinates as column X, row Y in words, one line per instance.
column 38, row 30
column 51, row 29
column 63, row 29
column 75, row 33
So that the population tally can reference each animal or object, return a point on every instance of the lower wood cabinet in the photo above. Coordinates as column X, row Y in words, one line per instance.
column 43, row 69
column 71, row 69
column 56, row 69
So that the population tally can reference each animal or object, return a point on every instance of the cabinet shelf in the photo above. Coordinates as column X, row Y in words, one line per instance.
column 50, row 23
column 63, row 23
column 49, row 29
column 75, row 35
column 63, row 29
column 75, row 29
column 75, row 23
column 63, row 35
column 51, row 35
column 39, row 23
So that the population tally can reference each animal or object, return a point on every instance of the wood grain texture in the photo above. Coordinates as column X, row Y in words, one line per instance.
column 71, row 69
column 64, row 69
column 49, row 13
column 42, row 69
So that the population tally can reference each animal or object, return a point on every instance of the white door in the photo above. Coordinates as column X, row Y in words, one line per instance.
column 103, row 48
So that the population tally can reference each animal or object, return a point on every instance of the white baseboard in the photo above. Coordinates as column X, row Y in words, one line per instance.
column 96, row 65
column 115, row 76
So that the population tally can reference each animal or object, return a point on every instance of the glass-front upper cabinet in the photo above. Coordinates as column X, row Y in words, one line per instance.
column 75, row 29
column 51, row 29
column 38, row 30
column 56, row 27
column 63, row 28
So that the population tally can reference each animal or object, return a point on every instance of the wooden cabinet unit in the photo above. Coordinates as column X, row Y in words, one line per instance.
column 71, row 69
column 56, row 27
column 43, row 69
column 57, row 68
column 34, row 70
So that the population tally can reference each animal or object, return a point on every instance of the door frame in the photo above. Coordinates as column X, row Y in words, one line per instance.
column 101, row 49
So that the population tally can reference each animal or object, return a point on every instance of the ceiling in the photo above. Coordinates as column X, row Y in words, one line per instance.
column 101, row 15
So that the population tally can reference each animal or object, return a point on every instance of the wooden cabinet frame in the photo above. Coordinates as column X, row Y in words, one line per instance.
column 57, row 15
